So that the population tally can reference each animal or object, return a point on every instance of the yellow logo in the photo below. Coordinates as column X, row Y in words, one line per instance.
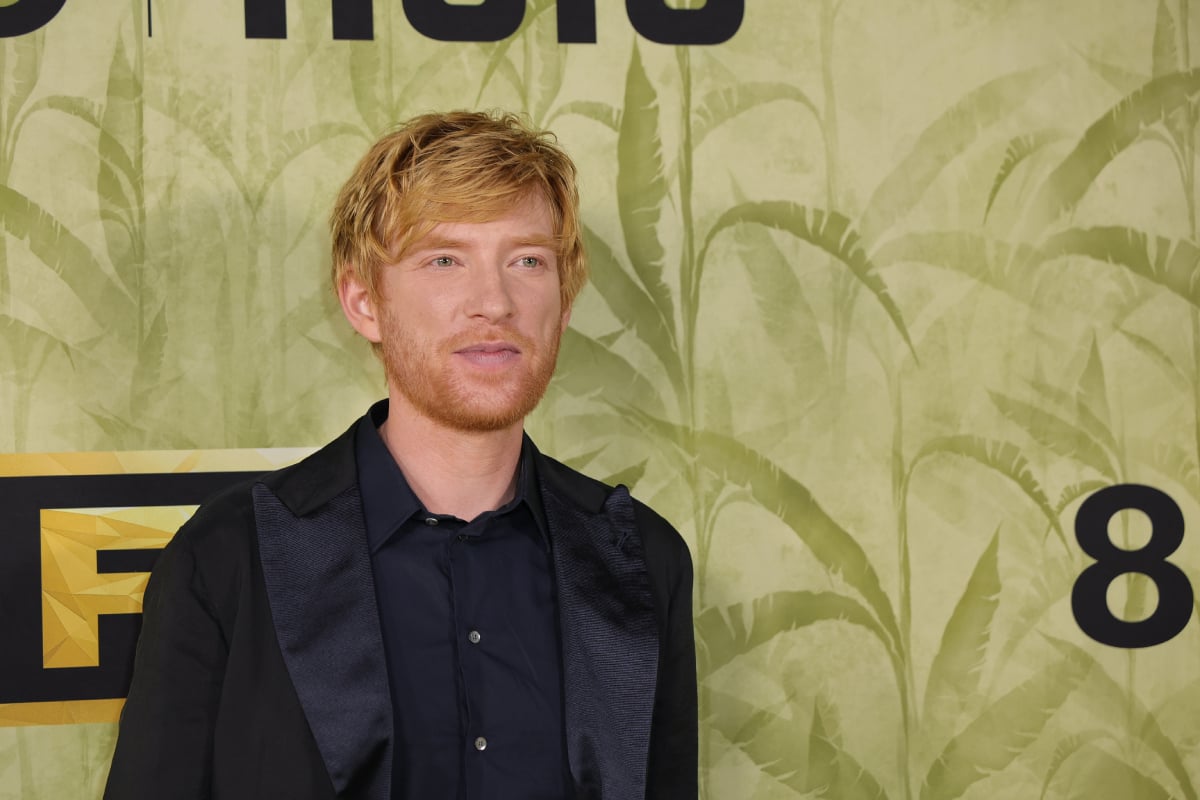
column 80, row 533
column 75, row 593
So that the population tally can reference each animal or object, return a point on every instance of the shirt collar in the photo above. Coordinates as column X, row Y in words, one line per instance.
column 386, row 497
column 388, row 501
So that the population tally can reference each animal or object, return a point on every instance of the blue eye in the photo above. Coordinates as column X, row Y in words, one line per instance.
column 531, row 261
column 443, row 261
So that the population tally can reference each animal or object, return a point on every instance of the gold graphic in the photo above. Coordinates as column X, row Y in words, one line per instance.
column 13, row 465
column 74, row 594
column 61, row 712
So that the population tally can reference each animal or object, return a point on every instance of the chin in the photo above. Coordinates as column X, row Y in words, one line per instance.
column 489, row 417
column 484, row 411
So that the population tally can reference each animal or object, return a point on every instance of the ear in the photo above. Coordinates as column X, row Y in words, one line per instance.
column 358, row 307
column 566, row 318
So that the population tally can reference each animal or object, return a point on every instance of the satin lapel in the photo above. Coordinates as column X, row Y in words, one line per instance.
column 318, row 577
column 609, row 642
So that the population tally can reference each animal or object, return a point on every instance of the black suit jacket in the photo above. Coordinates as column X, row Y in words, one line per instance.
column 260, row 669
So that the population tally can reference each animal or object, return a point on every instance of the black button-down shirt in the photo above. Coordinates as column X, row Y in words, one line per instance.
column 470, row 632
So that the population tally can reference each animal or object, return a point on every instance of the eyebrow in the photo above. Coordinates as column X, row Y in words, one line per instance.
column 548, row 242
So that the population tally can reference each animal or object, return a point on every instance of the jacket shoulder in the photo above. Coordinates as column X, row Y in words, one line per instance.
column 220, row 535
column 663, row 544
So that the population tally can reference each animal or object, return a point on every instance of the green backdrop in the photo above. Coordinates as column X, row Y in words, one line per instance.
column 882, row 292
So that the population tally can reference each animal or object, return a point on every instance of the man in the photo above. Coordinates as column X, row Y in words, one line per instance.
column 428, row 607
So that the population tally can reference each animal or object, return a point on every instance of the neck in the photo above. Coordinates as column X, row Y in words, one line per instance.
column 463, row 473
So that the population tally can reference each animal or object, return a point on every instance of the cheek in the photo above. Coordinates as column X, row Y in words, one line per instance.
column 555, row 324
column 541, row 310
column 553, row 308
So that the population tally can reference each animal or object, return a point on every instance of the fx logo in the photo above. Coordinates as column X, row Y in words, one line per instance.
column 78, row 549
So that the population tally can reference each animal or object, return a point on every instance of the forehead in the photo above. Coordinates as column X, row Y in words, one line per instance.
column 529, row 221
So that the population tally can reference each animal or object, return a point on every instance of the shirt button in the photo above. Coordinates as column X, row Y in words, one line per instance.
column 431, row 521
column 480, row 743
column 473, row 637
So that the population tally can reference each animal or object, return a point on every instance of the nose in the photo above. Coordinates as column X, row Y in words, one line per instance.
column 491, row 295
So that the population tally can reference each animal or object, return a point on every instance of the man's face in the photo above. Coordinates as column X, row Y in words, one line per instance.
column 470, row 319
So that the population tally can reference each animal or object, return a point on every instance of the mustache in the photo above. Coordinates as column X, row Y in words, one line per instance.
column 491, row 335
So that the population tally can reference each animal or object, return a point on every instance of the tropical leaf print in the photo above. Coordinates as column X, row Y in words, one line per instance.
column 641, row 187
column 949, row 135
column 1173, row 264
column 63, row 253
column 633, row 305
column 722, row 105
column 1122, row 710
column 832, row 772
column 955, row 675
column 1069, row 747
column 724, row 634
column 1057, row 433
column 780, row 494
column 1002, row 265
column 827, row 230
column 994, row 739
column 1108, row 776
column 1165, row 57
column 588, row 365
column 1004, row 458
column 765, row 737
column 1108, row 137
column 1019, row 149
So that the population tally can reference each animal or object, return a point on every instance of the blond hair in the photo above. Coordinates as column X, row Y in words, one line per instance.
column 460, row 166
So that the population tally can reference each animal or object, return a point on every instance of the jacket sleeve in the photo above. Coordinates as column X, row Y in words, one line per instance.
column 672, row 773
column 164, row 744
